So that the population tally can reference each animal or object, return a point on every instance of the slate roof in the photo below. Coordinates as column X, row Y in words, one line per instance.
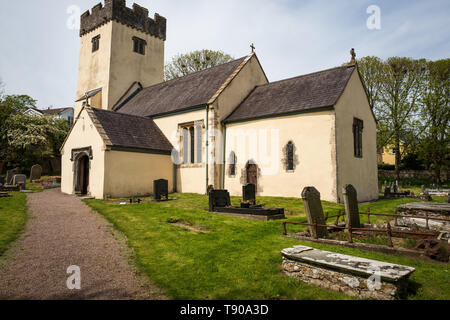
column 54, row 111
column 183, row 93
column 307, row 92
column 130, row 131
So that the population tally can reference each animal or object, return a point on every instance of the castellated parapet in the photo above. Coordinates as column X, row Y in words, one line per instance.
column 136, row 17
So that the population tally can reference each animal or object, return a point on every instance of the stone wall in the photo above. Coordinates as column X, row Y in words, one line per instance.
column 352, row 285
column 416, row 174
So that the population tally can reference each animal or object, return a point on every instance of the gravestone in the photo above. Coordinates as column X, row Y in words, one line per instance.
column 249, row 193
column 396, row 186
column 20, row 180
column 351, row 206
column 161, row 189
column 35, row 173
column 10, row 174
column 219, row 198
column 314, row 211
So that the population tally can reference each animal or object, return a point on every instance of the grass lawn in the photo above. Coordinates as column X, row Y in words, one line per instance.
column 13, row 215
column 239, row 258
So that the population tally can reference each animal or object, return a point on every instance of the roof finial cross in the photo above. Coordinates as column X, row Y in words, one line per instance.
column 252, row 46
column 353, row 60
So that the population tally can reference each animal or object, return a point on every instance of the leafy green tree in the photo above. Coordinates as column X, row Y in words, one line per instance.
column 434, row 147
column 401, row 85
column 26, row 139
column 11, row 105
column 370, row 69
column 184, row 64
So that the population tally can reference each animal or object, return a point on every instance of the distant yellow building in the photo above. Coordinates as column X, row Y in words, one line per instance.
column 387, row 155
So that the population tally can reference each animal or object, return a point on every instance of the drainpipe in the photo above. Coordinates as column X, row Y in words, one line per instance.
column 223, row 153
column 207, row 145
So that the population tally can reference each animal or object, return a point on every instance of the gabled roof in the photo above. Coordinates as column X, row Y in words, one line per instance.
column 183, row 93
column 128, row 131
column 54, row 111
column 304, row 93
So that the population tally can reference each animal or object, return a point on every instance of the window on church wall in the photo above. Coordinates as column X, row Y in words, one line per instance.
column 139, row 45
column 290, row 156
column 185, row 146
column 192, row 141
column 95, row 43
column 232, row 164
column 358, row 126
column 198, row 147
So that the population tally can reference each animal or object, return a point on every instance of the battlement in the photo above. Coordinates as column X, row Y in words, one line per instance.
column 136, row 17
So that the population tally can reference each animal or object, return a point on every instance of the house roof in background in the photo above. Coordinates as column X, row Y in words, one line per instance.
column 54, row 111
column 129, row 131
column 179, row 94
column 303, row 93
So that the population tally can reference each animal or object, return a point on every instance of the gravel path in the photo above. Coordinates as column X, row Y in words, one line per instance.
column 63, row 231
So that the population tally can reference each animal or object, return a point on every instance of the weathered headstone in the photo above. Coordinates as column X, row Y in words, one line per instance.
column 249, row 193
column 219, row 198
column 396, row 186
column 20, row 180
column 351, row 206
column 161, row 189
column 35, row 172
column 314, row 212
column 423, row 189
column 10, row 174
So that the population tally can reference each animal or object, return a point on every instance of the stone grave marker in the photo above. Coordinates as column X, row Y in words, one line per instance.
column 314, row 211
column 161, row 189
column 20, row 180
column 249, row 193
column 35, row 173
column 396, row 186
column 219, row 198
column 10, row 174
column 351, row 206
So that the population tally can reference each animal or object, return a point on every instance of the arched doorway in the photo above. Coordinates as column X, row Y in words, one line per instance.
column 82, row 175
column 252, row 173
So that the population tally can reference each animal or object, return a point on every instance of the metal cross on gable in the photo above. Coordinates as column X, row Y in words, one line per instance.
column 252, row 46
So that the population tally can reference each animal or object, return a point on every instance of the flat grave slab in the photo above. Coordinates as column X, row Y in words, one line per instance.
column 344, row 273
column 432, row 207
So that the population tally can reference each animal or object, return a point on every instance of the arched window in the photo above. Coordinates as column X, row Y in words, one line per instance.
column 290, row 155
column 232, row 163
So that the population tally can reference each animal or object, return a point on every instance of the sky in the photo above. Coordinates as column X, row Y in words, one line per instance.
column 39, row 48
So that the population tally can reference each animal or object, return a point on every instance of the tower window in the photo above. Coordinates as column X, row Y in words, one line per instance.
column 139, row 45
column 358, row 126
column 95, row 43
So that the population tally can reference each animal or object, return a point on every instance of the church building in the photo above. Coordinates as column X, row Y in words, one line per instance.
column 224, row 127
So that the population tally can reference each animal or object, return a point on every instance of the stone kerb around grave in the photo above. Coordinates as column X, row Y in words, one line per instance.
column 359, row 277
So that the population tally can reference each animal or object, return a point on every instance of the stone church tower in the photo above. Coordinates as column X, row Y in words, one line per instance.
column 122, row 50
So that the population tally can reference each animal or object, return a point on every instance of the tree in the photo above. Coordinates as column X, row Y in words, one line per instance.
column 370, row 69
column 434, row 147
column 11, row 105
column 184, row 64
column 33, row 138
column 27, row 139
column 401, row 84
